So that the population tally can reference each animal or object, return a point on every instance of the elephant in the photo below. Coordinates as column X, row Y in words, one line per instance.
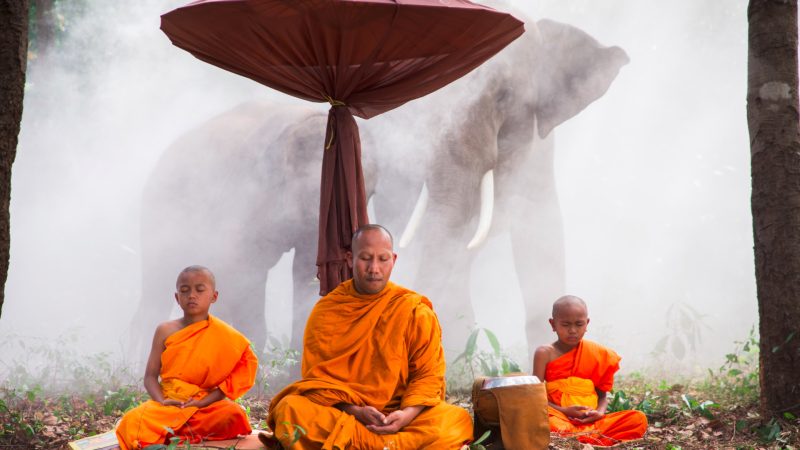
column 235, row 193
column 488, row 166
column 227, row 191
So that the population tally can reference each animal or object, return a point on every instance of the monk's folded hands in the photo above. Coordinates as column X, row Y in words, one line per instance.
column 589, row 416
column 396, row 420
column 367, row 415
column 171, row 402
column 214, row 395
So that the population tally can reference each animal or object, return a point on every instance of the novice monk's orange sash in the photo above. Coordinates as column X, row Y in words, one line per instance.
column 574, row 391
column 382, row 350
column 196, row 359
column 573, row 379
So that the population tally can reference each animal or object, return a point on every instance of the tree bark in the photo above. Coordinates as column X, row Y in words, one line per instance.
column 13, row 61
column 772, row 117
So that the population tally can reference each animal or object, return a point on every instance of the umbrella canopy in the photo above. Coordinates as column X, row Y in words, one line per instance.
column 364, row 57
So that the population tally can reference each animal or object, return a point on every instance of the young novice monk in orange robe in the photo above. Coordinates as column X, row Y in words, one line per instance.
column 578, row 374
column 203, row 363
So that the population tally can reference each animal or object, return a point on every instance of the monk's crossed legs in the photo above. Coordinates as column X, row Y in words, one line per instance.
column 441, row 427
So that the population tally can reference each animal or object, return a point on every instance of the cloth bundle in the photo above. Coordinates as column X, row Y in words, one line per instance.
column 517, row 411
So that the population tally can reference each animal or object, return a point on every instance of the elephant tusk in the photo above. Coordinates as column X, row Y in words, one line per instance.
column 487, row 207
column 416, row 218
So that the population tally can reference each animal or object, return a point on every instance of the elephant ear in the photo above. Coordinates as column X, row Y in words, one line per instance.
column 572, row 71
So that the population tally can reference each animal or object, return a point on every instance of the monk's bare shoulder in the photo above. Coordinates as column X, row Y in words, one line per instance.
column 545, row 353
column 541, row 357
column 167, row 329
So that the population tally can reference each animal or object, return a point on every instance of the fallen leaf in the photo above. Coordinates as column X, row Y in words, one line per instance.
column 50, row 420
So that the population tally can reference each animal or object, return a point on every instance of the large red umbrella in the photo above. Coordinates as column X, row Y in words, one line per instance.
column 364, row 57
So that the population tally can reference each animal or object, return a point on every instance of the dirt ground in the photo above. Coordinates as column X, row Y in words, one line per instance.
column 51, row 422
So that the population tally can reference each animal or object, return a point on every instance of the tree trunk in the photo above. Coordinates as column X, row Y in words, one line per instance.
column 13, row 60
column 772, row 117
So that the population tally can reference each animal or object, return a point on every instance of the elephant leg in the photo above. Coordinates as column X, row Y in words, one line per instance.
column 241, row 298
column 533, row 217
column 305, row 296
column 447, row 285
column 159, row 275
column 443, row 272
column 306, row 291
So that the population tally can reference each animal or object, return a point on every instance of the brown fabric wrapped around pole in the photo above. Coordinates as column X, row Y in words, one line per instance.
column 343, row 202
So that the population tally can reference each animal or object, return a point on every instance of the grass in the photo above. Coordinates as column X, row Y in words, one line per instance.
column 45, row 404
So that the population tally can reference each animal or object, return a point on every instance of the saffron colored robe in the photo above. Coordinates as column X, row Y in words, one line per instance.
column 196, row 359
column 572, row 379
column 382, row 350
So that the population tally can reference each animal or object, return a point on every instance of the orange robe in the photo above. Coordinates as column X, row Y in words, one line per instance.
column 572, row 379
column 198, row 358
column 381, row 350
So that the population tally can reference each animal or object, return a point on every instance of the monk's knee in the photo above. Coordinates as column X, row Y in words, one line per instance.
column 641, row 419
column 290, row 405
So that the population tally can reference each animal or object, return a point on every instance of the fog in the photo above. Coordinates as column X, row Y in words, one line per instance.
column 653, row 180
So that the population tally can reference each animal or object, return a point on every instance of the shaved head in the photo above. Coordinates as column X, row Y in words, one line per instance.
column 568, row 301
column 370, row 227
column 202, row 269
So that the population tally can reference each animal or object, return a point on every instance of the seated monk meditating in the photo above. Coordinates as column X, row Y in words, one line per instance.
column 203, row 363
column 373, row 367
column 578, row 374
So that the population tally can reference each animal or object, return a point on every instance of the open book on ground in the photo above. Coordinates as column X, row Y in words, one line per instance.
column 108, row 441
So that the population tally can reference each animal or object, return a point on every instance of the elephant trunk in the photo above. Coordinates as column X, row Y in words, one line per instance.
column 487, row 207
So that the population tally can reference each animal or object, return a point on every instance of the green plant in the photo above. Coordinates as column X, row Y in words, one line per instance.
column 275, row 364
column 297, row 433
column 488, row 363
column 32, row 362
column 121, row 400
column 477, row 444
column 737, row 378
column 620, row 401
column 696, row 407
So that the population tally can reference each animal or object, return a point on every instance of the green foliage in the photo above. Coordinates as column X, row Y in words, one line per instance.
column 275, row 365
column 737, row 378
column 44, row 366
column 477, row 444
column 701, row 408
column 621, row 401
column 121, row 400
column 292, row 437
column 488, row 363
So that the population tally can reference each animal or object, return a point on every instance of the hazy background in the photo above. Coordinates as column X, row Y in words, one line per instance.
column 653, row 179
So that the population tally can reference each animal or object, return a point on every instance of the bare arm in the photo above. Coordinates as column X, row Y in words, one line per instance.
column 214, row 395
column 602, row 401
column 541, row 357
column 153, row 368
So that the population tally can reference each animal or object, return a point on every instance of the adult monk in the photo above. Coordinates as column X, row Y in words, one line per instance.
column 203, row 364
column 373, row 366
column 578, row 375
